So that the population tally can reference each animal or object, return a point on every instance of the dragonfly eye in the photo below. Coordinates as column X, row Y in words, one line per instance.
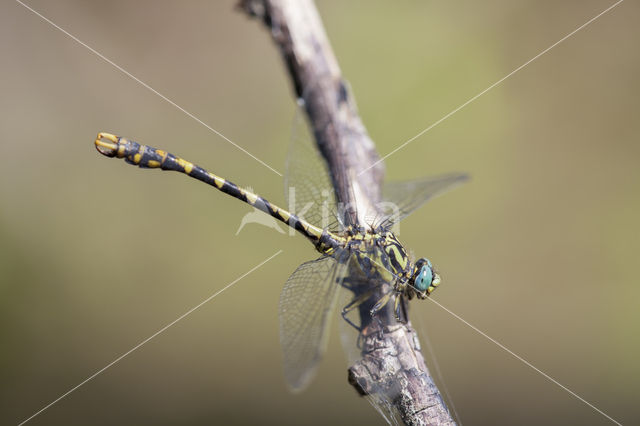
column 424, row 276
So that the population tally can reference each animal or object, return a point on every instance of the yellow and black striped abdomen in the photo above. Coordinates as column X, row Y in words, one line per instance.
column 148, row 157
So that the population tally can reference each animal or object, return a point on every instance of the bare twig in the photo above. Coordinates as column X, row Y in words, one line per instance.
column 392, row 368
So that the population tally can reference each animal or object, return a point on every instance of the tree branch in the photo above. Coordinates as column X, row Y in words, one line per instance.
column 392, row 368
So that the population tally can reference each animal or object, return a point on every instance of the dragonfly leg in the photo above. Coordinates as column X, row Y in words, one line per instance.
column 356, row 302
column 381, row 303
column 350, row 284
column 397, row 306
column 400, row 308
column 378, row 306
column 351, row 323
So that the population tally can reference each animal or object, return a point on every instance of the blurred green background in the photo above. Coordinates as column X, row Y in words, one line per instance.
column 539, row 250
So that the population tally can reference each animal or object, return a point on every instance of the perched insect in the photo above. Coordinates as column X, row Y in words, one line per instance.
column 371, row 254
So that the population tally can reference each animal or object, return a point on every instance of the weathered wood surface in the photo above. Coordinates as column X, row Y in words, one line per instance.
column 392, row 363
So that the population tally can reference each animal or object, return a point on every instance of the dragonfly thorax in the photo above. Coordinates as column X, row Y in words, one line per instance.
column 381, row 248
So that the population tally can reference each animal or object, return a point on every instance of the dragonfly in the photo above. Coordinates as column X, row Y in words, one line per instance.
column 350, row 254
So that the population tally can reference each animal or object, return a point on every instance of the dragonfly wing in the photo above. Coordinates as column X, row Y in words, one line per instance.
column 385, row 408
column 306, row 303
column 405, row 197
column 352, row 346
column 307, row 187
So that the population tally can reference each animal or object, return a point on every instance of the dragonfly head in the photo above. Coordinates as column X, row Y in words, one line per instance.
column 107, row 144
column 424, row 279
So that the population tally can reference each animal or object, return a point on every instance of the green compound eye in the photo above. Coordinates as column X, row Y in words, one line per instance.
column 424, row 276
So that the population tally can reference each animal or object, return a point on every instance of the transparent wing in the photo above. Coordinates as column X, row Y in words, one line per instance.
column 306, row 303
column 371, row 270
column 382, row 396
column 307, row 187
column 351, row 343
column 385, row 408
column 432, row 361
column 403, row 198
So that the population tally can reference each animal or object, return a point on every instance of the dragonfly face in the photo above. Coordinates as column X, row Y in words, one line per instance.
column 424, row 279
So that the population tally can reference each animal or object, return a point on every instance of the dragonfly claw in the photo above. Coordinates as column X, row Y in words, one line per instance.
column 107, row 144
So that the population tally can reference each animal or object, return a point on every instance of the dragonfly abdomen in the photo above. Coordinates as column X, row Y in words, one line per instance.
column 149, row 157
